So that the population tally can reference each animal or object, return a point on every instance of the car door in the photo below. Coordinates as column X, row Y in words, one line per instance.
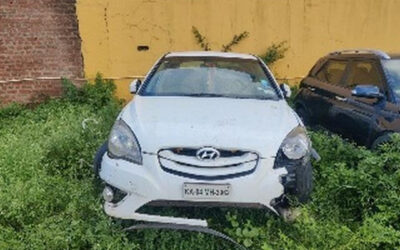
column 389, row 120
column 355, row 117
column 318, row 89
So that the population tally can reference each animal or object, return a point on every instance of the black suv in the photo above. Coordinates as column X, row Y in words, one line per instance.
column 355, row 93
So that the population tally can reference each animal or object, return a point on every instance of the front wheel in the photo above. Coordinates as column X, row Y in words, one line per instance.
column 304, row 182
column 301, row 189
column 99, row 157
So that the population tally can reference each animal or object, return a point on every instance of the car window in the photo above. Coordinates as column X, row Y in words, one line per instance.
column 210, row 77
column 363, row 73
column 332, row 71
column 321, row 75
column 392, row 71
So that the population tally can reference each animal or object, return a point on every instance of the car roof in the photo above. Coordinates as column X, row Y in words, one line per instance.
column 210, row 54
column 394, row 55
column 353, row 54
column 363, row 53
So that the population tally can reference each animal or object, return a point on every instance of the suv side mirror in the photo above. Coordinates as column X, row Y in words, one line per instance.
column 287, row 92
column 367, row 91
column 134, row 86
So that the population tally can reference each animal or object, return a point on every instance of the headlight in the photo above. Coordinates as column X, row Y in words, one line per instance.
column 296, row 144
column 123, row 144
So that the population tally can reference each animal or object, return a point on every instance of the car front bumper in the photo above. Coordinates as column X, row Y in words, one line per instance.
column 148, row 183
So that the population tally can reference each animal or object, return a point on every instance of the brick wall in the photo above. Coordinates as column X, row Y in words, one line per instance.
column 38, row 39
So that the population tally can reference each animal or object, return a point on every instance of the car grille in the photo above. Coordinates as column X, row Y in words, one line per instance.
column 183, row 161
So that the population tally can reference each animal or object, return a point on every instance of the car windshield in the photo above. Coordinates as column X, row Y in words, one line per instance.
column 210, row 77
column 392, row 70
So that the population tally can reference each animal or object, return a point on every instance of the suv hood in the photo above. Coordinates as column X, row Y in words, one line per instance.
column 226, row 123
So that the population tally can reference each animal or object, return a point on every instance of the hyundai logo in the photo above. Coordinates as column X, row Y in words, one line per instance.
column 207, row 153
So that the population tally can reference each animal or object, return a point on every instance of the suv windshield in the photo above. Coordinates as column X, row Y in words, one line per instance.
column 210, row 77
column 392, row 70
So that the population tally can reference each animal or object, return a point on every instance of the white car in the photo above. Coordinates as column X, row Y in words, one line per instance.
column 205, row 128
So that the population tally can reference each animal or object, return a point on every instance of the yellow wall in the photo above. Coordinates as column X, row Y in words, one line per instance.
column 111, row 30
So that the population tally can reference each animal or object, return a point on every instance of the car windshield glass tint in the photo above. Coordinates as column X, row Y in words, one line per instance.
column 392, row 70
column 363, row 73
column 210, row 77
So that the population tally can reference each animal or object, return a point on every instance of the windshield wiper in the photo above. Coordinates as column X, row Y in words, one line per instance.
column 206, row 95
column 252, row 97
column 228, row 96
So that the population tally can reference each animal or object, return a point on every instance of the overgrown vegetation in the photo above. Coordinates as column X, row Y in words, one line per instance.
column 272, row 54
column 50, row 199
column 235, row 41
column 205, row 45
column 200, row 39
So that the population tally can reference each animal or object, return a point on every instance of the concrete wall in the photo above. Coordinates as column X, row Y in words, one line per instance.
column 111, row 30
column 38, row 39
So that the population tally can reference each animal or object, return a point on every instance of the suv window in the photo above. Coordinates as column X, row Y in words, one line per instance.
column 332, row 71
column 392, row 69
column 363, row 73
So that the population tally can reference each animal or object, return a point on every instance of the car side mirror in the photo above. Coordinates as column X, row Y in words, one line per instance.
column 367, row 91
column 287, row 92
column 134, row 86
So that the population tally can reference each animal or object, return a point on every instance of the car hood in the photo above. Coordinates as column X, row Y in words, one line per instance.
column 242, row 124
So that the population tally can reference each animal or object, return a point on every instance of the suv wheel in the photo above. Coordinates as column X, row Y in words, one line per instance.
column 381, row 140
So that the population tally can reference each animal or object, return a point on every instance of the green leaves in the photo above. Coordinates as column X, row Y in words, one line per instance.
column 200, row 39
column 205, row 44
column 274, row 53
column 355, row 203
column 97, row 94
column 235, row 41
column 48, row 197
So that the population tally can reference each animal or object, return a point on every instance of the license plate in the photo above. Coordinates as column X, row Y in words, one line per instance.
column 206, row 191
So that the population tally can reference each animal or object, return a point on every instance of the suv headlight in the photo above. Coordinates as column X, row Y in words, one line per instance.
column 296, row 144
column 122, row 143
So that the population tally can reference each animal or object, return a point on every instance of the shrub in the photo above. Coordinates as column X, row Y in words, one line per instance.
column 96, row 94
column 11, row 110
column 48, row 199
column 355, row 203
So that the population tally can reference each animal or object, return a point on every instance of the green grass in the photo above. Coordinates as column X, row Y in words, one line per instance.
column 49, row 198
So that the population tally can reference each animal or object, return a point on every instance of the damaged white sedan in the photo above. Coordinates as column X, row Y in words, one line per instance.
column 205, row 128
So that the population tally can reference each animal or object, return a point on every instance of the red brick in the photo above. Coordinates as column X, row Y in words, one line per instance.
column 37, row 39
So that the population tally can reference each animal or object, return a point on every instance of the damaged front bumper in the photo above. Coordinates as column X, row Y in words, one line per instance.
column 149, row 183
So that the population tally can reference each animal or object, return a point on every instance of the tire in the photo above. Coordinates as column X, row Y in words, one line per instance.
column 304, row 116
column 99, row 157
column 381, row 140
column 304, row 182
